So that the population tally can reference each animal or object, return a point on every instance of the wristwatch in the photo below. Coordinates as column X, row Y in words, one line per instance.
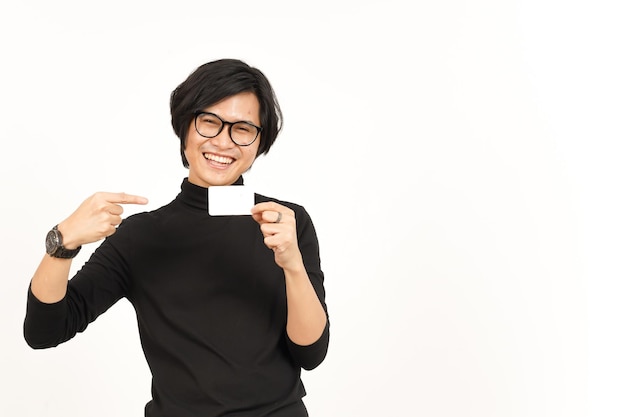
column 54, row 245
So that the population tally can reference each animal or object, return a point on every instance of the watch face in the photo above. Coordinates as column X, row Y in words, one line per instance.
column 52, row 241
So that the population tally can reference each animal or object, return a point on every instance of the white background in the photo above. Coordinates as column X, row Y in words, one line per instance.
column 462, row 162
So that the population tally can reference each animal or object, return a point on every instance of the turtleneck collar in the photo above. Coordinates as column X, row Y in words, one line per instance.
column 195, row 196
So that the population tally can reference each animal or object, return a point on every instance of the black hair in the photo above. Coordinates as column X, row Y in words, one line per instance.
column 215, row 81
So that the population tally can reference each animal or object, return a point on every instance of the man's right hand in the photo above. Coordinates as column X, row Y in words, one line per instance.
column 96, row 218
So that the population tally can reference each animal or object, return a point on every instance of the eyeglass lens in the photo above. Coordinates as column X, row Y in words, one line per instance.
column 210, row 125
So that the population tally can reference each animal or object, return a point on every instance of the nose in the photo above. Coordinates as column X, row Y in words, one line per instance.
column 223, row 141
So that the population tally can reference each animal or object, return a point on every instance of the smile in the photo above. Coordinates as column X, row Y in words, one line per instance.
column 218, row 158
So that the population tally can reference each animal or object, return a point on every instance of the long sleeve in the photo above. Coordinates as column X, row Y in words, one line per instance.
column 210, row 303
column 310, row 356
column 45, row 324
column 93, row 290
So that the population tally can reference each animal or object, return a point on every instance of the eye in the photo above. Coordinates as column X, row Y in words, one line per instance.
column 244, row 128
column 210, row 119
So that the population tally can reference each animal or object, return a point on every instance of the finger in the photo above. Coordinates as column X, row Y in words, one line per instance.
column 123, row 198
column 265, row 217
column 258, row 217
column 271, row 229
column 110, row 230
column 272, row 216
column 276, row 244
column 281, row 215
column 268, row 205
column 269, row 242
column 115, row 209
column 268, row 229
column 116, row 220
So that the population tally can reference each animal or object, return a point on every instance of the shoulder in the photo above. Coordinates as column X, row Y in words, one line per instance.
column 303, row 219
column 148, row 219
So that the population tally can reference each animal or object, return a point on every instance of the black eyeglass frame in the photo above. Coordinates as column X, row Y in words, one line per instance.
column 259, row 129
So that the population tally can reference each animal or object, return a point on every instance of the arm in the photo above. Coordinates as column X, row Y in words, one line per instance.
column 46, row 322
column 96, row 218
column 307, row 320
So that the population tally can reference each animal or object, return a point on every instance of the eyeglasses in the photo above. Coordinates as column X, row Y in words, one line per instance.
column 241, row 133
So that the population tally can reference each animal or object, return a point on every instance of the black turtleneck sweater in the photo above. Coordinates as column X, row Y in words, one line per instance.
column 211, row 308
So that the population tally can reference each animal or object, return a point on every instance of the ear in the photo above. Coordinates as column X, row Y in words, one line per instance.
column 183, row 149
column 183, row 156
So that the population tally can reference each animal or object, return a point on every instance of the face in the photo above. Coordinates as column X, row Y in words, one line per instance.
column 218, row 160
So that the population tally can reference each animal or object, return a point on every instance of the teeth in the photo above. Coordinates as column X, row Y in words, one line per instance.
column 217, row 158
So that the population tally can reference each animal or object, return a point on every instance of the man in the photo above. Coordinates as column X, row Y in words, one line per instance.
column 229, row 308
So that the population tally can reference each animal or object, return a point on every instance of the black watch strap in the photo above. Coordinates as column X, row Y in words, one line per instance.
column 55, row 248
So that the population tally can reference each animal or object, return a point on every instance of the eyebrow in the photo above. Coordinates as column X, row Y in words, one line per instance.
column 229, row 121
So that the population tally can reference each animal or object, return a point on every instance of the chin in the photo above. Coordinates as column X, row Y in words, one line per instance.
column 219, row 180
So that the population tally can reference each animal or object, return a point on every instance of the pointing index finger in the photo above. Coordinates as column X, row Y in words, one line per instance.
column 123, row 198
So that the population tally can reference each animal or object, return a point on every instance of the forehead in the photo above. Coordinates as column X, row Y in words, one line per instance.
column 242, row 106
